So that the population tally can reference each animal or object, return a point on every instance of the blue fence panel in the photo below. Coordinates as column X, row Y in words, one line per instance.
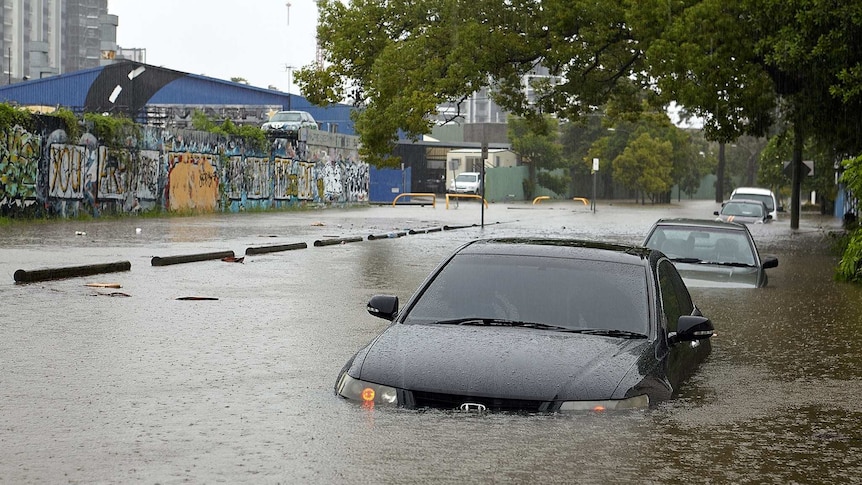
column 387, row 183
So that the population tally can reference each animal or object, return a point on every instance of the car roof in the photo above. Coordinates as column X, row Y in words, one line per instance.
column 744, row 201
column 752, row 190
column 703, row 223
column 560, row 248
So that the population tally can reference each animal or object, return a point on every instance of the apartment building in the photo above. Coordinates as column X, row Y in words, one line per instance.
column 42, row 38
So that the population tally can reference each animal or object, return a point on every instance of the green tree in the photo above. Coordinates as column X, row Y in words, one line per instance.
column 537, row 144
column 645, row 166
column 397, row 60
column 576, row 138
column 738, row 64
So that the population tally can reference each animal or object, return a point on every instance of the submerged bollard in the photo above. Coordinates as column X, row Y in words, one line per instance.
column 275, row 248
column 449, row 228
column 330, row 242
column 425, row 231
column 388, row 235
column 189, row 258
column 24, row 276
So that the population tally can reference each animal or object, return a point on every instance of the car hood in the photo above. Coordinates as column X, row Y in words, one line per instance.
column 284, row 124
column 715, row 276
column 501, row 362
column 742, row 219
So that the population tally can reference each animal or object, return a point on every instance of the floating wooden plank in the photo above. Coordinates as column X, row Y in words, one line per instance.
column 104, row 285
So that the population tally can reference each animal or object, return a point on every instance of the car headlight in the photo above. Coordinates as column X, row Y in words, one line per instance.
column 636, row 402
column 365, row 392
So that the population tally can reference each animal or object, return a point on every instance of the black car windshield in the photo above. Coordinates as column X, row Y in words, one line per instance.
column 693, row 244
column 555, row 294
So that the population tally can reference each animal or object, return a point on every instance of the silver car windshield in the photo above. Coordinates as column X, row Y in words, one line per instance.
column 767, row 200
column 742, row 209
column 705, row 245
column 287, row 117
column 563, row 293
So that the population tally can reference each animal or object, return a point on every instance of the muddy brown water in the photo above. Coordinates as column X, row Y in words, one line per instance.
column 148, row 388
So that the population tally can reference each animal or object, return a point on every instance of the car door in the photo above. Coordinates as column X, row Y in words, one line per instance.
column 683, row 357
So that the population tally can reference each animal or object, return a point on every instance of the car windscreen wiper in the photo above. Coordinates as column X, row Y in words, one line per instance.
column 499, row 322
column 729, row 263
column 686, row 260
column 608, row 332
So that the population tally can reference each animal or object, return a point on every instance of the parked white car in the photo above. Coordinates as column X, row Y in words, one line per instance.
column 466, row 183
column 764, row 195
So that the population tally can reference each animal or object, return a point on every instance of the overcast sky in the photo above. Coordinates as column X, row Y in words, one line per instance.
column 253, row 39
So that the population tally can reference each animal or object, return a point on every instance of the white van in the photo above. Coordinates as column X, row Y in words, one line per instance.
column 466, row 183
column 764, row 195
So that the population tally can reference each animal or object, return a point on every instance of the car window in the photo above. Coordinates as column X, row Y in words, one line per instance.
column 766, row 199
column 703, row 243
column 742, row 209
column 287, row 117
column 570, row 293
column 675, row 298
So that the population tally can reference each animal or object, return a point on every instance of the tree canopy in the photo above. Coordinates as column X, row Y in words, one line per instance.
column 398, row 60
column 740, row 66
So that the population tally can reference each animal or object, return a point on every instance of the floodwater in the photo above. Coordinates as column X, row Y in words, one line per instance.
column 100, row 387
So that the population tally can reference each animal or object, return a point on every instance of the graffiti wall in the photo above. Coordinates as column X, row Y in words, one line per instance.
column 175, row 170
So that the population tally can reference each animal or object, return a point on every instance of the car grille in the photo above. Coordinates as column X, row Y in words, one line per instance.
column 436, row 400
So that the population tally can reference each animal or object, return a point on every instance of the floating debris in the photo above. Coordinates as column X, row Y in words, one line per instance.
column 233, row 259
column 197, row 298
column 104, row 285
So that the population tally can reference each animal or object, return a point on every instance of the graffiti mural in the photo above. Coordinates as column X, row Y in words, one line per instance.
column 256, row 173
column 175, row 170
column 193, row 182
column 20, row 152
column 73, row 171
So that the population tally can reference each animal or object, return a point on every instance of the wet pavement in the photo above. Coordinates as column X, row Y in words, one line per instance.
column 102, row 388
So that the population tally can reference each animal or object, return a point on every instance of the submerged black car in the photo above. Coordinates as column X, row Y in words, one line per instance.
column 534, row 325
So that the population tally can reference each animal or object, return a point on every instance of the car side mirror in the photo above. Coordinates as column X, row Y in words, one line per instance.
column 383, row 306
column 715, row 213
column 769, row 216
column 769, row 261
column 690, row 328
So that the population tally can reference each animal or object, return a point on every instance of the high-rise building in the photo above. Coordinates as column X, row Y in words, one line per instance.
column 40, row 38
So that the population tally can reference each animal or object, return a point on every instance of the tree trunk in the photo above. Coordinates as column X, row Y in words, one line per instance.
column 719, row 174
column 796, row 174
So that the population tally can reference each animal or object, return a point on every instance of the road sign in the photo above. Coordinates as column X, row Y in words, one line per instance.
column 807, row 168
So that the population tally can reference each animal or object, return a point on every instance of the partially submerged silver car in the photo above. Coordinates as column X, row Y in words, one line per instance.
column 711, row 253
column 745, row 211
column 288, row 123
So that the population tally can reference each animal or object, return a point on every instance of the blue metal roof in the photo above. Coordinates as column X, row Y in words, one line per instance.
column 128, row 86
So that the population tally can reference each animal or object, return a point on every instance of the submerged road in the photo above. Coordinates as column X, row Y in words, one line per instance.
column 223, row 371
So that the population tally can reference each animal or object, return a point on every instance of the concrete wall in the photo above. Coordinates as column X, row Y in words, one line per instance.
column 174, row 170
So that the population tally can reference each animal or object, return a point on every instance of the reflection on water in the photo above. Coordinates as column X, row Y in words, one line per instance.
column 149, row 388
